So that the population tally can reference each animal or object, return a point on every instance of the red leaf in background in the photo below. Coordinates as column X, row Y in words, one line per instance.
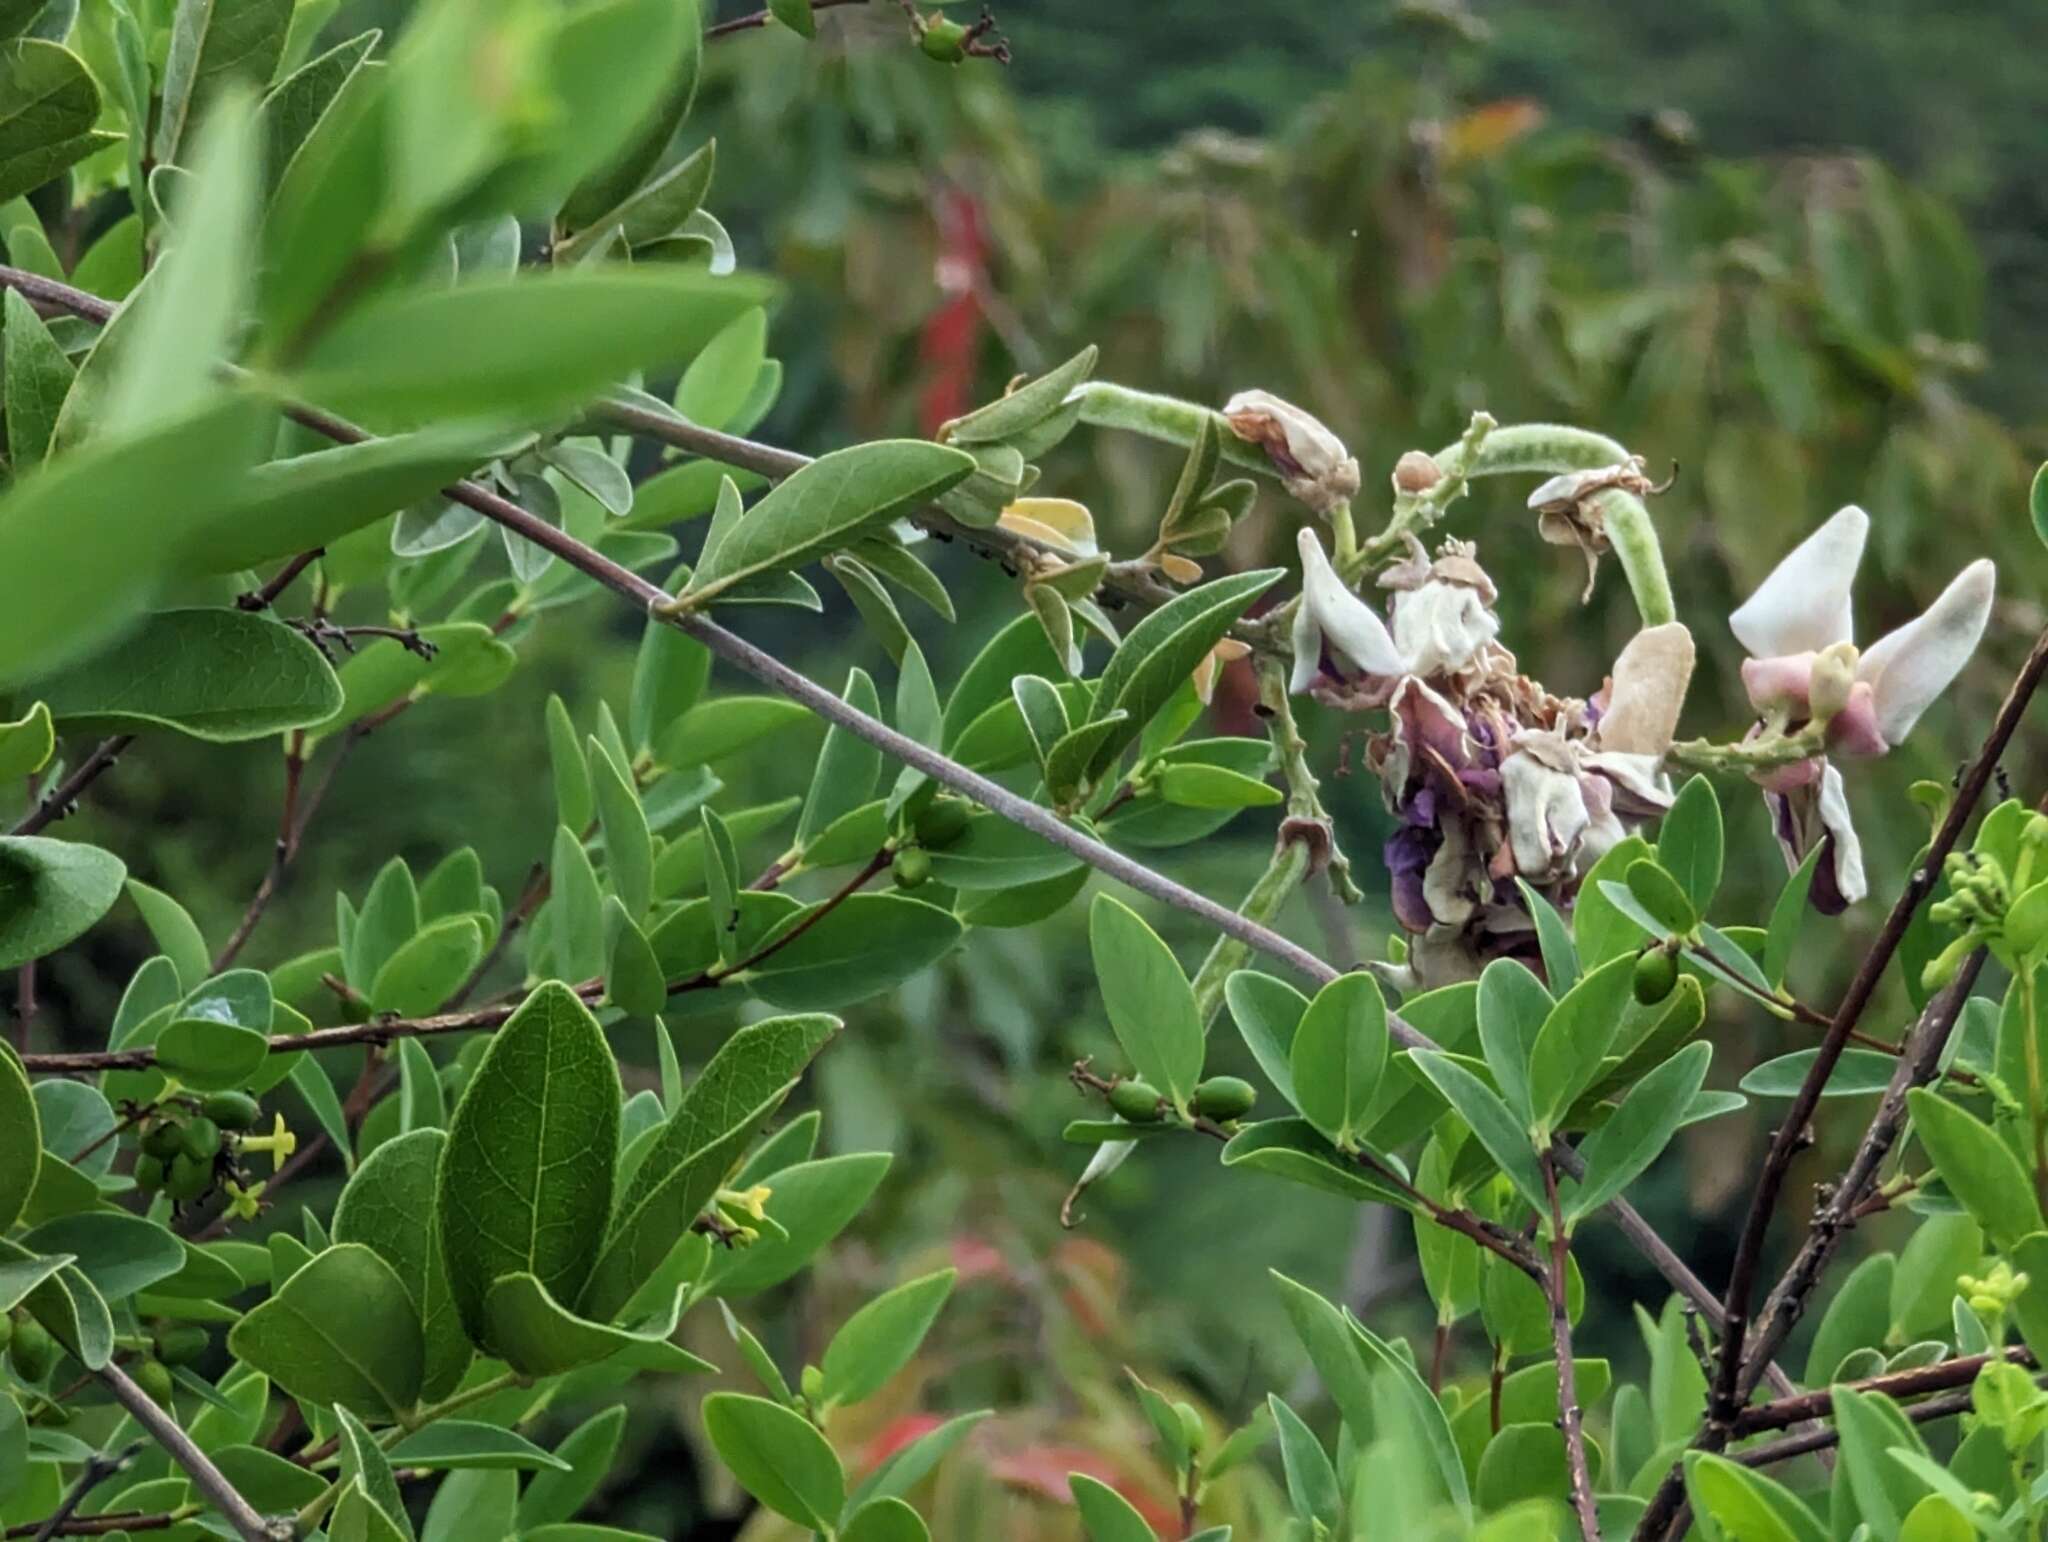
column 946, row 348
column 894, row 1436
column 1042, row 1469
column 977, row 1259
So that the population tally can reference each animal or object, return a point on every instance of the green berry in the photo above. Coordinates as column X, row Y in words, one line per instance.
column 943, row 40
column 189, row 1177
column 1136, row 1102
column 180, row 1343
column 149, row 1173
column 164, row 1139
column 33, row 1350
column 202, row 1139
column 231, row 1110
column 943, row 821
column 154, row 1378
column 1656, row 974
column 912, row 866
column 1225, row 1097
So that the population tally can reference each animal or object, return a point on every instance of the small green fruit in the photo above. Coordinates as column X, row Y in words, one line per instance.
column 1136, row 1101
column 164, row 1139
column 33, row 1350
column 231, row 1110
column 154, row 1378
column 943, row 40
column 943, row 821
column 189, row 1177
column 1225, row 1098
column 1656, row 974
column 149, row 1173
column 202, row 1139
column 180, row 1343
column 911, row 867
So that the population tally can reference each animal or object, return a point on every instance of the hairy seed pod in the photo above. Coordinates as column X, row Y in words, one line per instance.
column 1656, row 974
column 1225, row 1098
column 1135, row 1101
column 231, row 1110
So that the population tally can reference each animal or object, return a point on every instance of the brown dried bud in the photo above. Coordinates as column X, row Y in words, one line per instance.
column 1416, row 472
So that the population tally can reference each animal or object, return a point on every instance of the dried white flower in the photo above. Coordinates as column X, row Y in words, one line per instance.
column 1312, row 462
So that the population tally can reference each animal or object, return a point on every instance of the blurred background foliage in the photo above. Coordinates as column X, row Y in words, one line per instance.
column 1795, row 249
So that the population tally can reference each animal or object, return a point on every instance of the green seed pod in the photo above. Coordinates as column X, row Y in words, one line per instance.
column 943, row 40
column 189, row 1177
column 231, row 1110
column 164, row 1139
column 943, row 821
column 912, row 866
column 1656, row 974
column 180, row 1343
column 202, row 1139
column 33, row 1350
column 149, row 1173
column 154, row 1378
column 1135, row 1101
column 1225, row 1097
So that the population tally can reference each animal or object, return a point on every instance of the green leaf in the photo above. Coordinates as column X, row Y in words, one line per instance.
column 1788, row 916
column 910, row 1465
column 813, row 1202
column 390, row 916
column 214, row 44
column 450, row 1445
column 1495, row 1127
column 1941, row 1249
column 219, row 675
column 2037, row 503
column 27, row 743
column 388, row 1207
column 1855, row 1319
column 712, row 730
column 294, row 107
column 341, row 1330
column 21, row 1273
column 1636, row 1132
column 1554, row 937
column 848, row 767
column 575, row 909
column 993, row 853
column 585, row 1458
column 526, row 1182
column 363, row 1462
column 700, row 1144
column 1575, row 1037
column 1105, row 1514
column 778, row 1457
column 574, row 804
column 176, row 933
column 1150, row 1005
column 795, row 15
column 887, row 1519
column 1023, row 407
column 1689, row 842
column 628, row 848
column 825, row 504
column 1513, row 1007
column 526, row 347
column 632, row 974
column 1161, row 651
column 716, row 385
column 1871, row 1427
column 1268, row 1015
column 1859, row 1073
column 1196, row 786
column 1658, row 896
column 21, row 1140
column 879, row 1339
column 1978, row 1167
column 50, row 892
column 426, row 970
column 535, row 1334
column 864, row 945
column 32, row 387
column 1338, row 1056
column 1600, row 930
column 1311, row 1480
column 669, row 674
column 1295, row 1150
column 48, row 106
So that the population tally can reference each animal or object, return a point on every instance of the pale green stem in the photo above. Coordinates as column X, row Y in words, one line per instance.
column 1763, row 753
column 1283, row 875
column 1304, row 790
column 1165, row 418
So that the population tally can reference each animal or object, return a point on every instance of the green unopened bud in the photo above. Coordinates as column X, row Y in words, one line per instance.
column 911, row 867
column 149, row 1173
column 1655, row 977
column 180, row 1343
column 1224, row 1098
column 1943, row 966
column 154, row 1378
column 942, row 39
column 1416, row 472
column 231, row 1110
column 33, row 1351
column 1829, row 682
column 812, row 1384
column 1136, row 1101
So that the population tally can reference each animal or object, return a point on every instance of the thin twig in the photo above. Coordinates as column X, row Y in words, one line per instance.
column 1787, row 1411
column 206, row 1478
column 265, row 597
column 61, row 799
column 1571, row 1417
column 764, row 18
column 99, row 1467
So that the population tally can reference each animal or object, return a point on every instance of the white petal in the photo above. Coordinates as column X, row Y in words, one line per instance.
column 1307, row 639
column 1353, row 628
column 1804, row 605
column 1908, row 668
column 1546, row 813
column 1848, row 852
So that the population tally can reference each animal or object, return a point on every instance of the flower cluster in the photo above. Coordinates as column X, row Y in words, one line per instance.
column 1805, row 675
column 1490, row 777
